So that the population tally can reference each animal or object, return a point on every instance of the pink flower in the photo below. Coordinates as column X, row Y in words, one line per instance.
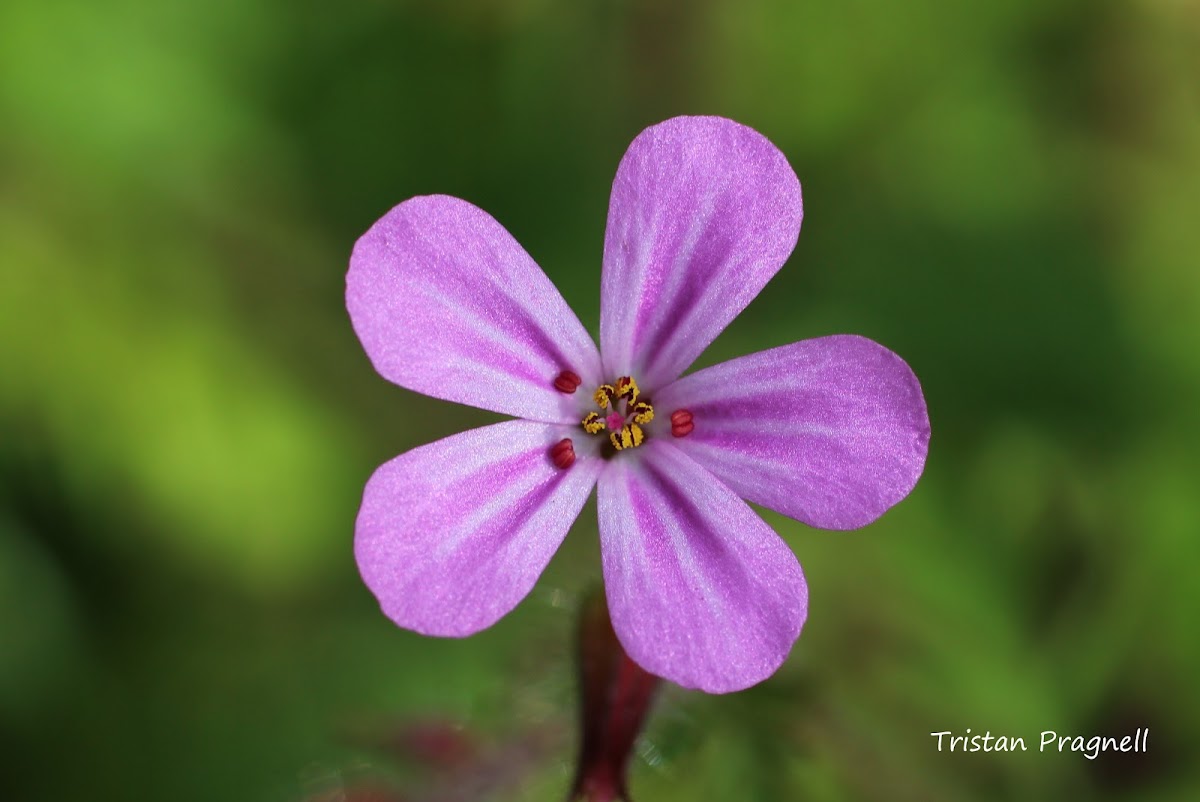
column 831, row 431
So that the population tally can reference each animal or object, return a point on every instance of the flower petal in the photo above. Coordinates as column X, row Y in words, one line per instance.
column 446, row 303
column 701, row 590
column 831, row 431
column 704, row 211
column 452, row 535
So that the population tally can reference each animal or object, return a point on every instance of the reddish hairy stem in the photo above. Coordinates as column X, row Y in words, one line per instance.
column 616, row 694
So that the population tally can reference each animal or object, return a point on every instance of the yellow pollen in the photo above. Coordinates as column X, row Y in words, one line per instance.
column 630, row 436
column 642, row 412
column 617, row 439
column 603, row 395
column 621, row 414
column 627, row 388
column 638, row 436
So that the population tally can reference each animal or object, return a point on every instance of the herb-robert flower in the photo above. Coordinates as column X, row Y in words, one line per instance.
column 831, row 431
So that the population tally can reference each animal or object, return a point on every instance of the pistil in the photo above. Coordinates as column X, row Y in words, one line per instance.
column 624, row 414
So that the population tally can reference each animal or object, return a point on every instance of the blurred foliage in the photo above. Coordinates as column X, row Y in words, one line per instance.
column 1003, row 192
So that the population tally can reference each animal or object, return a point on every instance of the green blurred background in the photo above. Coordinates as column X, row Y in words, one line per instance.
column 1004, row 193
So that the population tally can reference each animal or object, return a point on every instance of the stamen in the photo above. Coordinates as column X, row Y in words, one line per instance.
column 620, row 413
column 621, row 439
column 593, row 423
column 562, row 454
column 627, row 388
column 630, row 436
column 642, row 412
column 604, row 395
column 681, row 423
column 567, row 382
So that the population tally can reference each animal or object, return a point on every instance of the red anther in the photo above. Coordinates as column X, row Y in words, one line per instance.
column 567, row 382
column 562, row 454
column 681, row 423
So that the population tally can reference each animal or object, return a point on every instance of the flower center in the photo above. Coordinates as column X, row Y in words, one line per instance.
column 626, row 414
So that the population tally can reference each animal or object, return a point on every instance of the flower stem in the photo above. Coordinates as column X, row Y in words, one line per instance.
column 615, row 696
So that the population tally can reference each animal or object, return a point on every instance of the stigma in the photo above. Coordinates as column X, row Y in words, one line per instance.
column 623, row 413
